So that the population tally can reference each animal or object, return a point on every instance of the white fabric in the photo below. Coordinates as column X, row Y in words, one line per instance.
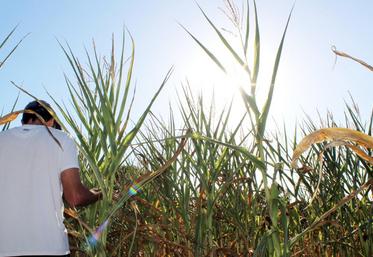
column 31, row 215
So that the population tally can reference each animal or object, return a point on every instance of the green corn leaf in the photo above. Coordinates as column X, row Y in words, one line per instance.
column 256, row 161
column 211, row 55
column 13, row 49
column 8, row 36
column 264, row 115
column 120, row 75
column 246, row 44
column 128, row 82
column 226, row 44
column 250, row 101
column 131, row 135
column 256, row 52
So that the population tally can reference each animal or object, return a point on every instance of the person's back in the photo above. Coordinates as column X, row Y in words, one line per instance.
column 38, row 167
column 31, row 192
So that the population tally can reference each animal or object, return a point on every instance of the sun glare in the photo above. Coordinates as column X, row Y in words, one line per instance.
column 206, row 78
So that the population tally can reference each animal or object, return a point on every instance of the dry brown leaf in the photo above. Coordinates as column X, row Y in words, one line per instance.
column 73, row 214
column 13, row 115
column 335, row 134
column 9, row 117
column 361, row 153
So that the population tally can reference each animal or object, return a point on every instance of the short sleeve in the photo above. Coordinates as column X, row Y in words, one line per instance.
column 69, row 157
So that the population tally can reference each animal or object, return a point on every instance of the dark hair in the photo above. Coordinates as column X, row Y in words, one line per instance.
column 38, row 107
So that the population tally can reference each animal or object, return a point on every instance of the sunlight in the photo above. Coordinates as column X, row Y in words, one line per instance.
column 204, row 77
column 207, row 79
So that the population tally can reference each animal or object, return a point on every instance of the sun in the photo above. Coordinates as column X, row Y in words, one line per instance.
column 205, row 78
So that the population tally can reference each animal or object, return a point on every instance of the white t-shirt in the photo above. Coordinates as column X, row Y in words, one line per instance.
column 31, row 215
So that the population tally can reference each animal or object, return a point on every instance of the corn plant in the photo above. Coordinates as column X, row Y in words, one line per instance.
column 211, row 201
column 232, row 189
column 99, row 119
column 341, row 188
column 272, row 242
column 193, row 199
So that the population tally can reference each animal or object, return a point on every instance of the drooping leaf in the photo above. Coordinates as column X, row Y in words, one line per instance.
column 146, row 178
column 9, row 117
column 343, row 54
column 335, row 134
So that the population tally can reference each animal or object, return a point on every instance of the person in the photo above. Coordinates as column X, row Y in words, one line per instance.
column 39, row 168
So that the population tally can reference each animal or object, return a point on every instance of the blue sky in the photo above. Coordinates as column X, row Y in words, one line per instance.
column 307, row 81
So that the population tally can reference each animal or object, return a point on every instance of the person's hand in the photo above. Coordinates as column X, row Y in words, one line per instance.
column 97, row 192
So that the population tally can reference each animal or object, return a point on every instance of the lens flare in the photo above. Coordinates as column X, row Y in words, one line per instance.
column 134, row 189
column 93, row 239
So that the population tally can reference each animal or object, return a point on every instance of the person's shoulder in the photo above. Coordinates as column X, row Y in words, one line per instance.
column 8, row 131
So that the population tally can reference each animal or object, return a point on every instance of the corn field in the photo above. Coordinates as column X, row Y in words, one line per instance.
column 208, row 186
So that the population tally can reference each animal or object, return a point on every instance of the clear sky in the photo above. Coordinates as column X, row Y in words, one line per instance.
column 307, row 79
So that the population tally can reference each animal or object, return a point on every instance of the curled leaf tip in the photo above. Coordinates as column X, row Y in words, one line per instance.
column 341, row 136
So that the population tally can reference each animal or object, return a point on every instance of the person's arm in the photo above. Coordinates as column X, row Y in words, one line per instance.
column 74, row 192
